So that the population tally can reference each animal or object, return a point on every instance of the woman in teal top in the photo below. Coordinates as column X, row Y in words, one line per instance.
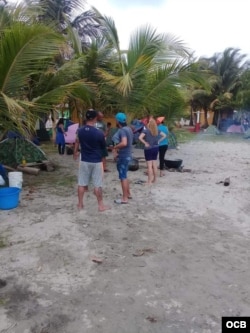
column 163, row 145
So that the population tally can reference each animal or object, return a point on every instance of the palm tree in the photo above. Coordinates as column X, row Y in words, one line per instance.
column 145, row 79
column 30, row 80
column 66, row 15
column 226, row 69
column 243, row 96
column 148, row 77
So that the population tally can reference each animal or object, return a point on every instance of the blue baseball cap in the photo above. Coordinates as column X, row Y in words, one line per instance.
column 121, row 117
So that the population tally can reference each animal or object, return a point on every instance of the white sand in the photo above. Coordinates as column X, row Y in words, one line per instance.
column 174, row 260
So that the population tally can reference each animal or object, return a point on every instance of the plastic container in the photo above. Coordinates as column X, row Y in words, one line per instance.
column 2, row 181
column 15, row 179
column 9, row 197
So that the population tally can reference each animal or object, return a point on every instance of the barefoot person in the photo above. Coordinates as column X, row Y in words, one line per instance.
column 123, row 139
column 91, row 142
column 151, row 138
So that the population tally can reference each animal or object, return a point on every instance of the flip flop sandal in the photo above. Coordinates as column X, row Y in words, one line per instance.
column 140, row 182
column 120, row 202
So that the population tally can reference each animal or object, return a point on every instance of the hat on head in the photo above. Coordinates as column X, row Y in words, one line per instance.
column 121, row 117
column 159, row 120
column 91, row 114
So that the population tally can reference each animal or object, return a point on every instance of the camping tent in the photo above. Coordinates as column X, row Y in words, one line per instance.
column 13, row 151
column 235, row 129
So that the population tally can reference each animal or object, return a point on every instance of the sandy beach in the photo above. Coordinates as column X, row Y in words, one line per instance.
column 174, row 260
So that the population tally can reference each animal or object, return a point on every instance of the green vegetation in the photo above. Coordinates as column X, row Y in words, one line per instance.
column 49, row 57
column 184, row 135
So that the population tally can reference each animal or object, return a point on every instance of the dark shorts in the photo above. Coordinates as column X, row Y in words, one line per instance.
column 122, row 167
column 151, row 153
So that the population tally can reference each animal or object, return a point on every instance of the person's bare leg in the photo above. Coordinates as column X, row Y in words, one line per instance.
column 104, row 163
column 155, row 170
column 150, row 171
column 81, row 191
column 98, row 194
column 125, row 190
column 128, row 191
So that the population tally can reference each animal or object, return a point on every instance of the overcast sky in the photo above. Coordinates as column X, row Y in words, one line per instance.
column 205, row 26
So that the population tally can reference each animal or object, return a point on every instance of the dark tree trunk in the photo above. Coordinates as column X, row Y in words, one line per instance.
column 191, row 123
column 205, row 125
column 216, row 118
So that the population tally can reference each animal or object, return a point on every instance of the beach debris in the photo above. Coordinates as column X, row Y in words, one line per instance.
column 151, row 319
column 148, row 249
column 140, row 182
column 185, row 170
column 225, row 182
column 96, row 260
column 138, row 253
column 141, row 252
column 3, row 283
column 31, row 190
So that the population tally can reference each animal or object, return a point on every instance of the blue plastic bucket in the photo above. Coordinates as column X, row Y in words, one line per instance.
column 9, row 197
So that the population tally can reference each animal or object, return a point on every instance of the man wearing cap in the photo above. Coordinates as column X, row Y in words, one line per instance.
column 91, row 142
column 123, row 139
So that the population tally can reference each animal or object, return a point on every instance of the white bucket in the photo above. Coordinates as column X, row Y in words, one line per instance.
column 15, row 179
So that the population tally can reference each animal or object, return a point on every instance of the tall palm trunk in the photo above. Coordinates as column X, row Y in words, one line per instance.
column 191, row 123
column 205, row 125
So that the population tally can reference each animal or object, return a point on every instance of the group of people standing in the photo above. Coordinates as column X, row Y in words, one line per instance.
column 154, row 136
column 91, row 147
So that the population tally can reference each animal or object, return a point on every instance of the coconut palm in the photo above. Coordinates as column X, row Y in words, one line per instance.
column 226, row 69
column 30, row 81
column 243, row 96
column 148, row 77
column 68, row 14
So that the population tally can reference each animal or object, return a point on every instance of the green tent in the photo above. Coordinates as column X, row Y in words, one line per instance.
column 14, row 150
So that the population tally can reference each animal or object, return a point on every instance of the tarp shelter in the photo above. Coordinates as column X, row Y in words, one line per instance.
column 13, row 151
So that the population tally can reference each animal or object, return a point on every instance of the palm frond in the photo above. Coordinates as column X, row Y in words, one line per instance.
column 25, row 50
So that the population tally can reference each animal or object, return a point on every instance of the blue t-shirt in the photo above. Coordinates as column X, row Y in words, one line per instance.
column 152, row 140
column 164, row 129
column 92, row 142
column 124, row 132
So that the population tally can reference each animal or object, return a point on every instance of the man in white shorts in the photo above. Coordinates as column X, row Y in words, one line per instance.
column 91, row 142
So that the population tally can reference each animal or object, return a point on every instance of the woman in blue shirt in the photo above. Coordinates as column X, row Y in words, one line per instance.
column 163, row 145
column 60, row 139
column 151, row 137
